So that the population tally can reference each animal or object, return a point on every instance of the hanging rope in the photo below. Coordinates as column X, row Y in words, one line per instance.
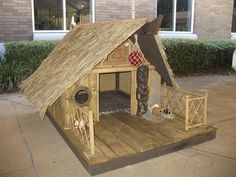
column 136, row 56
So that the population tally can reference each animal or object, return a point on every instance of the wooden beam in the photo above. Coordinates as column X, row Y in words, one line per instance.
column 113, row 69
column 151, row 27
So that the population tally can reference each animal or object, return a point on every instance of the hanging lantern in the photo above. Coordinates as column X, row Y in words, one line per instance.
column 136, row 57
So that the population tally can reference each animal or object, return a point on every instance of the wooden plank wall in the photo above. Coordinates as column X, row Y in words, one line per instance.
column 107, row 82
column 125, row 82
column 154, row 84
column 60, row 110
column 103, row 78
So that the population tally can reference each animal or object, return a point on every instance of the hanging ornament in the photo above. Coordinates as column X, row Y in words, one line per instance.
column 136, row 57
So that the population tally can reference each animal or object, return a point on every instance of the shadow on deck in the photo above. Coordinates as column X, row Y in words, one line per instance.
column 121, row 140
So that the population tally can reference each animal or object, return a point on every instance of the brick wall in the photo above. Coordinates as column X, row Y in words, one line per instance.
column 122, row 9
column 213, row 19
column 106, row 10
column 146, row 8
column 15, row 20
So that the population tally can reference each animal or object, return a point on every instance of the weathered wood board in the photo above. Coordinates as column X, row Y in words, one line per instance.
column 121, row 139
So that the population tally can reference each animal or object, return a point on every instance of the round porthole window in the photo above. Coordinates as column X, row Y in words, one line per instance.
column 83, row 96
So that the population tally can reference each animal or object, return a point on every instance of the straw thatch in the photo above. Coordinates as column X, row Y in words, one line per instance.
column 73, row 58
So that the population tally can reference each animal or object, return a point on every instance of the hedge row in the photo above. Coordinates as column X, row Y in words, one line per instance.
column 185, row 57
column 20, row 60
column 199, row 56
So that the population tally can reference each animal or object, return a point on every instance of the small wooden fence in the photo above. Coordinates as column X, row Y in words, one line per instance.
column 188, row 106
column 83, row 125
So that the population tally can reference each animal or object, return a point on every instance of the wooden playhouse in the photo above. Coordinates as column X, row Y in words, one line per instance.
column 100, row 100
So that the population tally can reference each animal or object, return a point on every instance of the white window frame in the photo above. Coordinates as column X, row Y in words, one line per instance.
column 233, row 34
column 180, row 34
column 56, row 34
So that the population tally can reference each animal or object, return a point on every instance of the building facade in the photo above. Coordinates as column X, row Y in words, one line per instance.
column 51, row 19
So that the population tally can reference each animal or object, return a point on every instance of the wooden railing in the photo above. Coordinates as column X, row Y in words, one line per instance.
column 188, row 106
column 83, row 125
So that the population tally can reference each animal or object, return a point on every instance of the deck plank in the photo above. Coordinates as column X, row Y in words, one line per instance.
column 119, row 147
column 104, row 149
column 166, row 132
column 84, row 151
column 121, row 140
column 134, row 138
column 181, row 133
column 149, row 129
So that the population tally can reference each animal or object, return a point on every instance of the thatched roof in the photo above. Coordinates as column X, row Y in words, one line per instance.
column 73, row 58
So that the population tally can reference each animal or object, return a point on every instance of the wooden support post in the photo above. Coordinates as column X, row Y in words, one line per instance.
column 205, row 108
column 186, row 112
column 91, row 132
column 97, row 98
column 117, row 81
column 150, row 75
column 133, row 100
column 164, row 95
column 93, row 85
column 67, row 113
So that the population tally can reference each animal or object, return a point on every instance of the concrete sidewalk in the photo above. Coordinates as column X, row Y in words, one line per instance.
column 30, row 147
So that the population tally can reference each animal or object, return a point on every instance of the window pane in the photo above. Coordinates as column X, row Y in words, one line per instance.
column 183, row 15
column 165, row 7
column 48, row 14
column 77, row 12
column 234, row 18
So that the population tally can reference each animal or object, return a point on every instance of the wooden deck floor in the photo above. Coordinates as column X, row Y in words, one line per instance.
column 121, row 139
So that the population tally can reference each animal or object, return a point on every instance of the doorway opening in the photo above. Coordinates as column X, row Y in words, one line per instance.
column 114, row 92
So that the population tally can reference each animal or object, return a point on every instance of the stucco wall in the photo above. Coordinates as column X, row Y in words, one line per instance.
column 213, row 19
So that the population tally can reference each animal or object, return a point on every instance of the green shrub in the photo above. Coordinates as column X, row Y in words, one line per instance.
column 185, row 57
column 21, row 59
column 9, row 77
column 25, row 51
column 199, row 56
